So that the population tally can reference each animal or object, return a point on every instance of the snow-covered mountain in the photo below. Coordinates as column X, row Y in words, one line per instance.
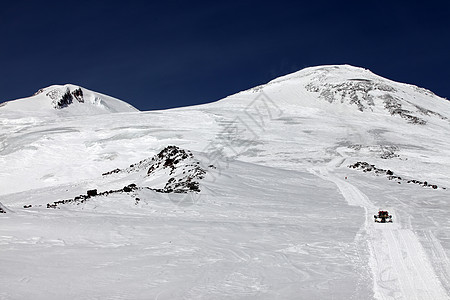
column 66, row 100
column 267, row 194
column 350, row 89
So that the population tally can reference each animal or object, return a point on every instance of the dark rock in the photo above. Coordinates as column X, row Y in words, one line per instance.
column 365, row 167
column 65, row 100
column 78, row 94
column 112, row 172
column 129, row 188
column 92, row 193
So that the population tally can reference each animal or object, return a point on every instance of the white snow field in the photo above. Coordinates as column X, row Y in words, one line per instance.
column 279, row 215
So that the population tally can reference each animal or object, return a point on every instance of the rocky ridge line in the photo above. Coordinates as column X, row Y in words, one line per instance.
column 368, row 168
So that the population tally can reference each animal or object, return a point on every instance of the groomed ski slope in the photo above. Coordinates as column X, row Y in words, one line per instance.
column 400, row 267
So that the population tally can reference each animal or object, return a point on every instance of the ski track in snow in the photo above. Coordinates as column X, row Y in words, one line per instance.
column 400, row 266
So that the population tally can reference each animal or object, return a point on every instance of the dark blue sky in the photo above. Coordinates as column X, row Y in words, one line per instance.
column 168, row 53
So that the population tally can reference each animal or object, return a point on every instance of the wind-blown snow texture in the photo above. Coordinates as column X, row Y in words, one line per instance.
column 275, row 198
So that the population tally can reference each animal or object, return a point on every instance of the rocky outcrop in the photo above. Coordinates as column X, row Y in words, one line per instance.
column 368, row 168
column 366, row 93
column 90, row 194
column 178, row 167
column 394, row 106
column 182, row 170
column 175, row 159
column 62, row 98
column 382, row 151
column 353, row 91
column 78, row 95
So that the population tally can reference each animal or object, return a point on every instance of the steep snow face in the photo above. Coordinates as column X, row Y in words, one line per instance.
column 66, row 100
column 277, row 188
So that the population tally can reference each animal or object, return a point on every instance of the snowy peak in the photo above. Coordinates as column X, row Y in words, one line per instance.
column 63, row 96
column 330, row 73
column 67, row 100
column 367, row 91
column 348, row 89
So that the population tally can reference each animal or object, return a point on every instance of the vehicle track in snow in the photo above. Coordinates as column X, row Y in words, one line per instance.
column 399, row 264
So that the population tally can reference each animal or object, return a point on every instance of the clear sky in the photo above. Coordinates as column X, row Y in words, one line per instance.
column 175, row 53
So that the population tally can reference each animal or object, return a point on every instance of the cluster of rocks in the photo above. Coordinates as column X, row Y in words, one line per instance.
column 354, row 91
column 90, row 194
column 363, row 92
column 169, row 157
column 184, row 172
column 112, row 172
column 63, row 99
column 428, row 112
column 174, row 159
column 180, row 186
column 389, row 152
column 384, row 151
column 2, row 211
column 394, row 106
column 78, row 94
column 366, row 167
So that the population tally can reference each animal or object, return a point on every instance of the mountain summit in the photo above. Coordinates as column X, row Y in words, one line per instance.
column 346, row 89
column 67, row 100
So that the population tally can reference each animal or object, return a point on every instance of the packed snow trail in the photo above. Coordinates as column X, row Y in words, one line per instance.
column 399, row 264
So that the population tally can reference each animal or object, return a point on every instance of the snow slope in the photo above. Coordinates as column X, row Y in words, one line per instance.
column 279, row 214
